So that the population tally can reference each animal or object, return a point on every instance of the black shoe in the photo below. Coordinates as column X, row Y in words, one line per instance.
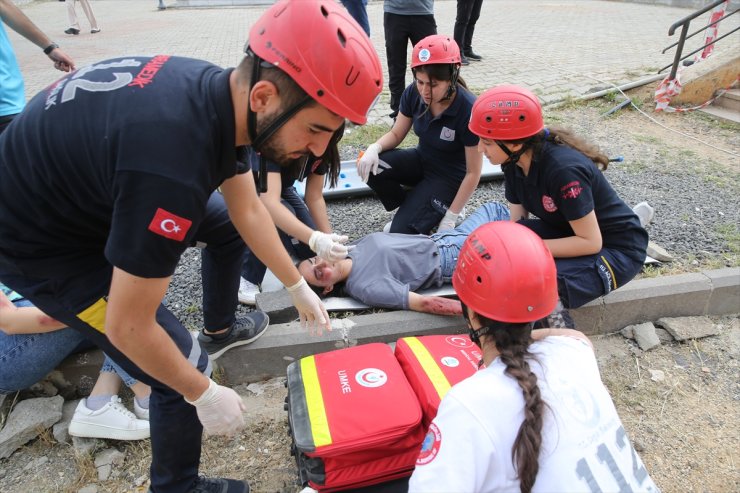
column 219, row 485
column 473, row 56
column 464, row 60
column 72, row 30
column 244, row 330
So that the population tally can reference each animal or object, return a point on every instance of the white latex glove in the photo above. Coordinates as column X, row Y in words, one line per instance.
column 310, row 308
column 368, row 162
column 447, row 222
column 219, row 410
column 329, row 246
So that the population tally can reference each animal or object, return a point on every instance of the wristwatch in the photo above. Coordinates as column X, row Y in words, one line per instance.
column 53, row 46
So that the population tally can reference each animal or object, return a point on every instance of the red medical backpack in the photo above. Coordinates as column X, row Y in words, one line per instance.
column 433, row 364
column 354, row 418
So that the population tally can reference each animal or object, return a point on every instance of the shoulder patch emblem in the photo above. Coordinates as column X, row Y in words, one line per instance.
column 430, row 446
column 549, row 204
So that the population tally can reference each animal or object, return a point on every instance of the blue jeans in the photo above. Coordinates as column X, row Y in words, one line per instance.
column 253, row 270
column 176, row 431
column 450, row 242
column 27, row 358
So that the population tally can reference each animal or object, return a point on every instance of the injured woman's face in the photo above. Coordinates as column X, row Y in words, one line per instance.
column 319, row 272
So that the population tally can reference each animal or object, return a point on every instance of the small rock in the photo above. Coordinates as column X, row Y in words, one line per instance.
column 90, row 488
column 86, row 446
column 645, row 336
column 27, row 420
column 628, row 332
column 638, row 446
column 140, row 480
column 658, row 253
column 657, row 375
column 705, row 369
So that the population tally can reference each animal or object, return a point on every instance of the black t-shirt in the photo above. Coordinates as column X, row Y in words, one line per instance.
column 114, row 163
column 564, row 185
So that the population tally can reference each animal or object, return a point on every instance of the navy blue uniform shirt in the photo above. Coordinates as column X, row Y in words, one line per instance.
column 442, row 139
column 564, row 185
column 114, row 164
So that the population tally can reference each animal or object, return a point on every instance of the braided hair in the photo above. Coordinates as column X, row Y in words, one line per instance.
column 512, row 341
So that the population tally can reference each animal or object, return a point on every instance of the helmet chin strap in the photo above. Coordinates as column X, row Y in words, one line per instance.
column 513, row 157
column 258, row 140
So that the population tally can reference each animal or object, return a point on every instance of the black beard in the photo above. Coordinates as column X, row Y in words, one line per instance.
column 270, row 149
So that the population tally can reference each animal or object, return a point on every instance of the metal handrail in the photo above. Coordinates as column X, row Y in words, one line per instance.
column 684, row 23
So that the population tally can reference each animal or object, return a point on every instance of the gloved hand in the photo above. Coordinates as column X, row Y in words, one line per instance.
column 447, row 222
column 219, row 410
column 310, row 308
column 329, row 246
column 368, row 161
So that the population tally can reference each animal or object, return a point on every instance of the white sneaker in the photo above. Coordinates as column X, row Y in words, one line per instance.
column 644, row 212
column 140, row 412
column 112, row 421
column 248, row 292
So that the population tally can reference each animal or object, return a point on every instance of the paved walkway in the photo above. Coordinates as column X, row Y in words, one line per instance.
column 558, row 49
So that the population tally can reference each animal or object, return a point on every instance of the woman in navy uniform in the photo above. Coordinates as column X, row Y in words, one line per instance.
column 596, row 239
column 430, row 183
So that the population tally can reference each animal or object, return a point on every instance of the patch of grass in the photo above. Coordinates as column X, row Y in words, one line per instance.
column 730, row 233
column 364, row 135
column 647, row 139
column 192, row 308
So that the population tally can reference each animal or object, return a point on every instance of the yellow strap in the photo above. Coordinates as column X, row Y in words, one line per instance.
column 430, row 367
column 315, row 403
column 94, row 315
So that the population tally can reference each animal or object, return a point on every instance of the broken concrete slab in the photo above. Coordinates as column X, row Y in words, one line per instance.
column 270, row 355
column 27, row 420
column 645, row 336
column 684, row 328
column 725, row 296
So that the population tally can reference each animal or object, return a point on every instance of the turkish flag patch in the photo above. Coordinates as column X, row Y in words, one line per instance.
column 169, row 225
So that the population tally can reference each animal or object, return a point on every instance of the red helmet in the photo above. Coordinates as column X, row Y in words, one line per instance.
column 323, row 49
column 435, row 49
column 506, row 273
column 506, row 113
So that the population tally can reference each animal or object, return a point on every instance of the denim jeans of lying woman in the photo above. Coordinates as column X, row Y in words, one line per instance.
column 27, row 358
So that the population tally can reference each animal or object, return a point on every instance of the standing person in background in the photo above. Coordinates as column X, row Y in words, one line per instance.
column 358, row 10
column 74, row 24
column 404, row 21
column 597, row 240
column 12, row 93
column 444, row 168
column 537, row 418
column 106, row 180
column 303, row 223
column 468, row 12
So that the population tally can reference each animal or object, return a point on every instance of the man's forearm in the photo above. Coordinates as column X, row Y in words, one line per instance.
column 434, row 304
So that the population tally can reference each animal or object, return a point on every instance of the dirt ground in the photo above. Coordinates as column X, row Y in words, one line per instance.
column 684, row 425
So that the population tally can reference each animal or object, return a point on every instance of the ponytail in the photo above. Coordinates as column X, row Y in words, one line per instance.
column 563, row 136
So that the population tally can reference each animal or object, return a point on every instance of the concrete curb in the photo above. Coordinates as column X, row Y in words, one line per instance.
column 715, row 292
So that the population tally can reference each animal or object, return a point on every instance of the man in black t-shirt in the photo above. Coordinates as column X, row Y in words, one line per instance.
column 109, row 174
